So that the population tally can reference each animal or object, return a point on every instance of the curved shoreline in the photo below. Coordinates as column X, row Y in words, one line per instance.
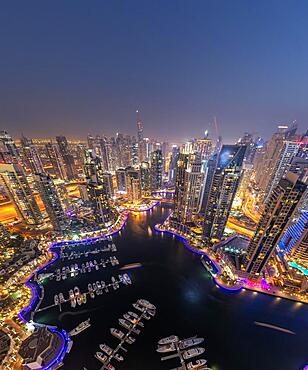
column 32, row 305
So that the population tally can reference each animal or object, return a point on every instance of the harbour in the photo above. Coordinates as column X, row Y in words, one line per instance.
column 188, row 302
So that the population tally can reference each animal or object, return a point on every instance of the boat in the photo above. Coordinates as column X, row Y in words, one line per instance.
column 94, row 287
column 73, row 302
column 166, row 348
column 135, row 330
column 186, row 343
column 146, row 304
column 110, row 367
column 98, row 284
column 127, row 325
column 90, row 287
column 106, row 349
column 84, row 298
column 103, row 284
column 147, row 317
column 199, row 364
column 167, row 340
column 71, row 294
column 152, row 313
column 76, row 290
column 101, row 357
column 79, row 299
column 138, row 307
column 81, row 327
column 92, row 295
column 56, row 299
column 133, row 314
column 193, row 352
column 118, row 357
column 61, row 297
column 117, row 333
column 128, row 318
column 130, row 340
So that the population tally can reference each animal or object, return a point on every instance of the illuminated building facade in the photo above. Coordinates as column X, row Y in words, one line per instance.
column 50, row 198
column 172, row 166
column 156, row 169
column 278, row 211
column 294, row 242
column 67, row 157
column 16, row 186
column 108, row 184
column 8, row 150
column 145, row 177
column 121, row 179
column 56, row 160
column 224, row 184
column 181, row 167
column 31, row 156
column 133, row 184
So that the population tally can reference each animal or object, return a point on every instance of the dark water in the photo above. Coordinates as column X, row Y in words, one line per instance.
column 187, row 302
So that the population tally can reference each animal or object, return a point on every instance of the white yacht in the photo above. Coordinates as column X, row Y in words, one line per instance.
column 193, row 352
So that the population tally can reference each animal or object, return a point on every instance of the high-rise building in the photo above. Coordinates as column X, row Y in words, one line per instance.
column 172, row 166
column 92, row 167
column 133, row 185
column 8, row 150
column 140, row 139
column 102, row 211
column 52, row 204
column 187, row 205
column 294, row 242
column 156, row 169
column 67, row 157
column 145, row 177
column 223, row 187
column 273, row 161
column 210, row 167
column 15, row 184
column 5, row 236
column 31, row 156
column 98, row 196
column 134, row 152
column 108, row 184
column 181, row 167
column 281, row 163
column 56, row 160
column 277, row 214
column 121, row 179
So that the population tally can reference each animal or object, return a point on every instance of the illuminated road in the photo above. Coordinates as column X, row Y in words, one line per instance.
column 8, row 212
column 239, row 227
column 249, row 208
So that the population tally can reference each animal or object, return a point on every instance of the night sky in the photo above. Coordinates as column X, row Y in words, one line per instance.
column 78, row 67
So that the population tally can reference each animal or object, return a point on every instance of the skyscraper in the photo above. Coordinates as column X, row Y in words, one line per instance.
column 281, row 163
column 294, row 242
column 140, row 140
column 50, row 198
column 56, row 160
column 97, row 192
column 133, row 186
column 210, row 166
column 16, row 186
column 223, row 187
column 181, row 166
column 67, row 157
column 8, row 150
column 31, row 156
column 108, row 184
column 145, row 177
column 98, row 198
column 190, row 182
column 172, row 166
column 156, row 169
column 121, row 179
column 277, row 213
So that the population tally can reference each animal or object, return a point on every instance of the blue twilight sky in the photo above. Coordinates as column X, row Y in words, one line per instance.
column 78, row 67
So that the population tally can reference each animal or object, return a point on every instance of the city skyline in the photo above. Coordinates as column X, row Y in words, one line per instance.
column 243, row 64
column 154, row 168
